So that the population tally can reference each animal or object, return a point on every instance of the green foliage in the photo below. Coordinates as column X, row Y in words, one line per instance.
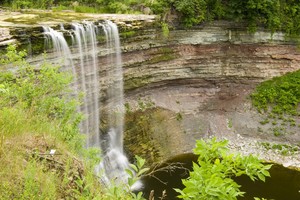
column 192, row 11
column 121, row 6
column 21, row 4
column 278, row 131
column 59, row 8
column 85, row 9
column 272, row 14
column 280, row 95
column 40, row 91
column 35, row 186
column 161, row 7
column 283, row 149
column 279, row 98
column 128, row 34
column 212, row 175
column 165, row 29
column 12, row 56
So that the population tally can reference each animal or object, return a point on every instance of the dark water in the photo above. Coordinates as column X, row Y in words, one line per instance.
column 284, row 183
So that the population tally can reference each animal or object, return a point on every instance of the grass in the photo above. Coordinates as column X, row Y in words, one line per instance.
column 27, row 169
column 25, row 140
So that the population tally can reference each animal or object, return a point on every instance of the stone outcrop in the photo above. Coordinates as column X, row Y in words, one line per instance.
column 25, row 27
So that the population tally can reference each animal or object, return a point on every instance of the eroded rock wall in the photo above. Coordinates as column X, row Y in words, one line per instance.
column 205, row 76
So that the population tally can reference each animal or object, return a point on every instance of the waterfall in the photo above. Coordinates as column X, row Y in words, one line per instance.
column 82, row 57
column 62, row 51
column 86, row 46
column 60, row 46
column 115, row 91
column 114, row 162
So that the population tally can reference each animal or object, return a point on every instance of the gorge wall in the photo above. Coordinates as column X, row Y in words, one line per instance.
column 198, row 80
column 203, row 78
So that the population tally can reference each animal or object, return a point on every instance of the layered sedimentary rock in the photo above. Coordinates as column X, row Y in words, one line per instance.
column 203, row 79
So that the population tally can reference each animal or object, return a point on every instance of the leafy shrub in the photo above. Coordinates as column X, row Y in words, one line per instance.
column 273, row 14
column 278, row 95
column 212, row 176
column 85, row 9
column 191, row 11
column 40, row 91
column 21, row 4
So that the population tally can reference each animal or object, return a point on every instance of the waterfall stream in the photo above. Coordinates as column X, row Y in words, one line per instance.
column 82, row 57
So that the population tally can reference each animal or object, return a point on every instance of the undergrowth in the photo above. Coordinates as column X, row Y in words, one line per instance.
column 274, row 15
column 279, row 100
column 38, row 114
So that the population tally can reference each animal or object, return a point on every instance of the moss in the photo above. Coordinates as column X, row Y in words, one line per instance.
column 138, row 131
column 165, row 50
column 35, row 17
column 161, row 58
column 33, row 48
column 137, row 82
column 127, row 34
column 162, row 55
column 151, row 132
column 24, row 20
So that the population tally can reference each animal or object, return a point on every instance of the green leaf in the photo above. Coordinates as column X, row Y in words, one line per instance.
column 142, row 171
column 133, row 167
column 140, row 162
column 261, row 177
column 129, row 172
column 265, row 173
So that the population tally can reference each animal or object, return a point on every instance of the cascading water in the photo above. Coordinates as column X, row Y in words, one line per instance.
column 60, row 46
column 86, row 46
column 62, row 51
column 115, row 162
column 84, row 52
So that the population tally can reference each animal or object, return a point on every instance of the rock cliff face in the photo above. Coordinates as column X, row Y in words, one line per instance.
column 199, row 79
column 208, row 85
column 205, row 76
